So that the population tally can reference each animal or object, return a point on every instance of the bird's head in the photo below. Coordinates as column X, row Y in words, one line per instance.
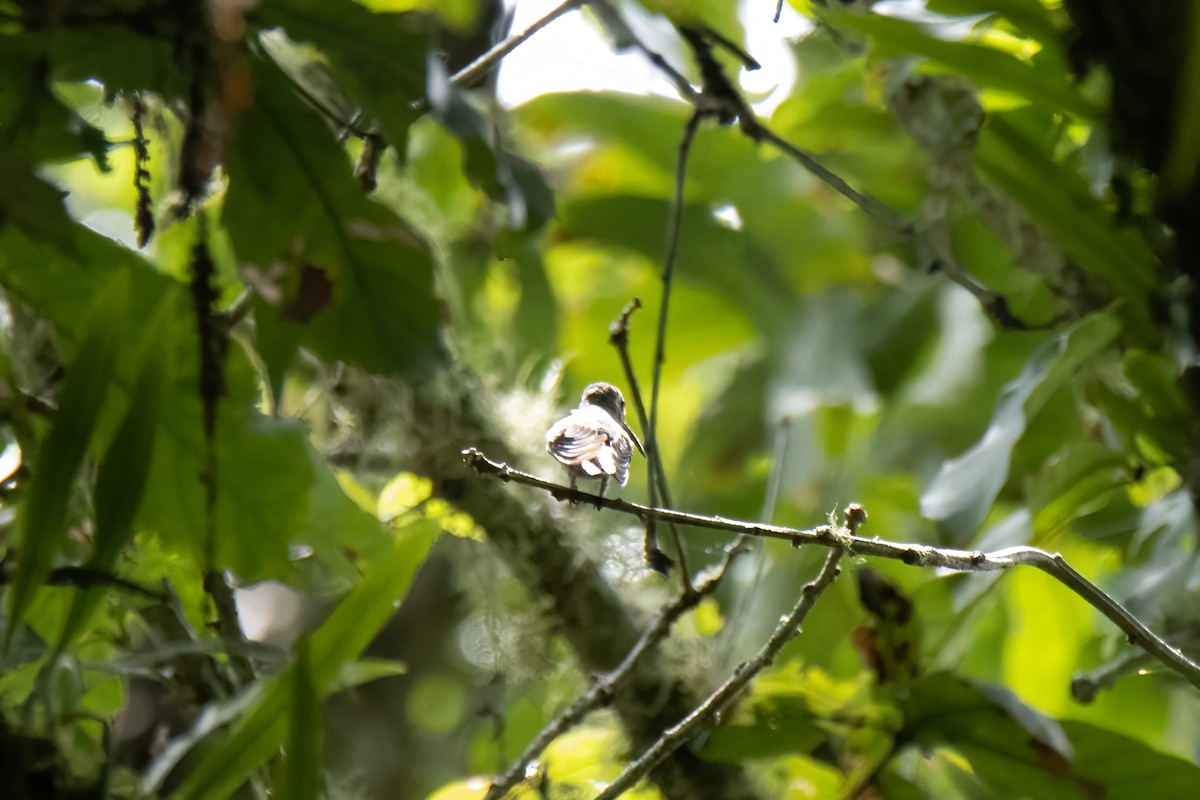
column 606, row 396
column 609, row 397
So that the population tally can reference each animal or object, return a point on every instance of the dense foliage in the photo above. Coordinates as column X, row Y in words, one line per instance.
column 269, row 267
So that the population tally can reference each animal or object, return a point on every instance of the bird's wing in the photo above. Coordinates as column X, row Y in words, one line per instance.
column 622, row 454
column 578, row 445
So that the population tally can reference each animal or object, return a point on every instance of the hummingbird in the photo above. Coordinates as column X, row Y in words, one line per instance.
column 594, row 440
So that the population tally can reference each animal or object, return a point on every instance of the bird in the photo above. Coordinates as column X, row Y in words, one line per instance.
column 594, row 440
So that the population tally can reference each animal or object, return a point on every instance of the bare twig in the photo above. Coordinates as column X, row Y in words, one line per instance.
column 704, row 714
column 917, row 555
column 778, row 11
column 618, row 337
column 601, row 692
column 491, row 58
column 653, row 454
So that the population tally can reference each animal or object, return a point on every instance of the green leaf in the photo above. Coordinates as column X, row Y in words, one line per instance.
column 301, row 774
column 1059, row 200
column 1182, row 158
column 122, row 477
column 348, row 630
column 986, row 66
column 276, row 341
column 367, row 670
column 44, row 515
column 360, row 281
column 264, row 473
column 962, row 492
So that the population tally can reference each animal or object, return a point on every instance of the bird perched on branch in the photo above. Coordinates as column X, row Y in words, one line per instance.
column 594, row 440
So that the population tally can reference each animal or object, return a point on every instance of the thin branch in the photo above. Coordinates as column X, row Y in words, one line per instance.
column 704, row 714
column 675, row 222
column 873, row 206
column 618, row 337
column 491, row 58
column 601, row 692
column 778, row 11
column 916, row 555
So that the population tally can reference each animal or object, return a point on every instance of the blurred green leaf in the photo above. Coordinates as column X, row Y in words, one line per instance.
column 31, row 204
column 986, row 66
column 789, row 710
column 962, row 493
column 708, row 252
column 223, row 766
column 44, row 514
column 37, row 124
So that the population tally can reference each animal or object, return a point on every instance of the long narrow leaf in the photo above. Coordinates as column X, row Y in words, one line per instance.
column 347, row 631
column 121, row 481
column 301, row 775
column 43, row 522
